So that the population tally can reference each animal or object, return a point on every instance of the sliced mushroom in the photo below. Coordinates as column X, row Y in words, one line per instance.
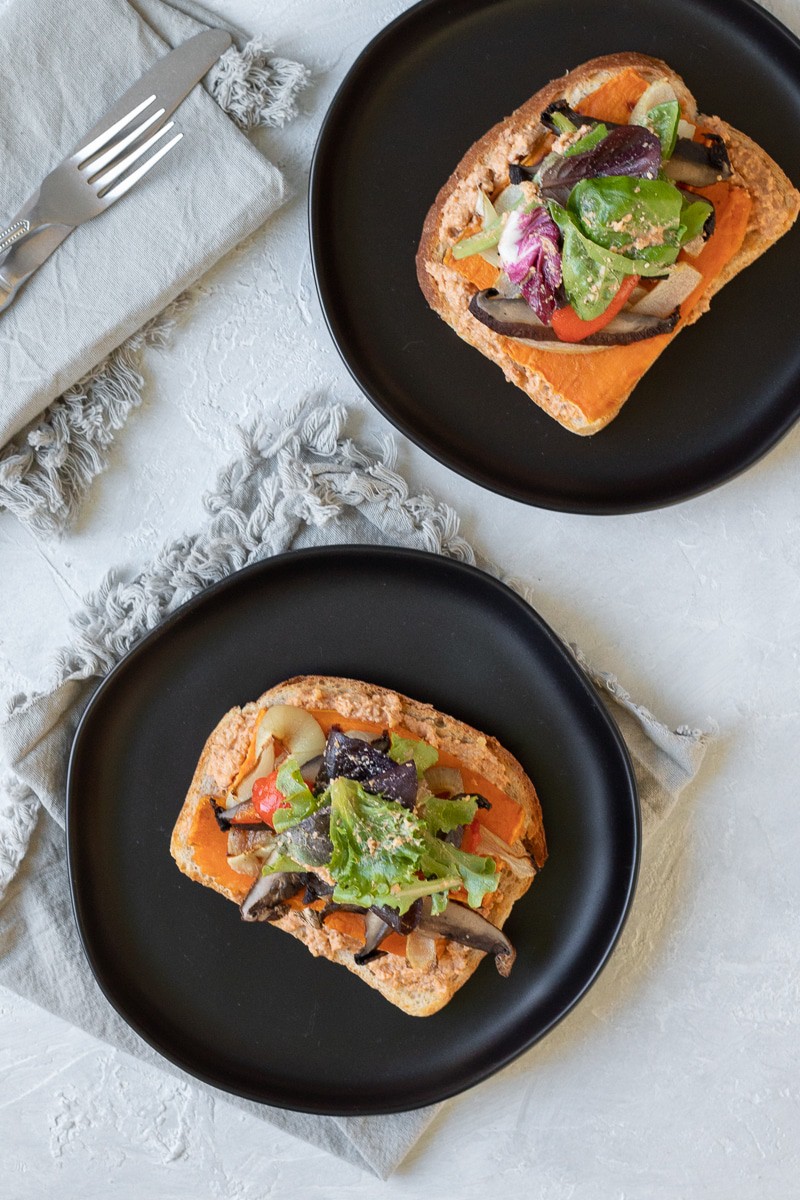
column 266, row 894
column 375, row 930
column 515, row 319
column 243, row 815
column 316, row 888
column 400, row 923
column 563, row 109
column 241, row 839
column 469, row 928
column 699, row 164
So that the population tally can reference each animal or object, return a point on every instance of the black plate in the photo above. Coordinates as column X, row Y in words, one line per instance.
column 244, row 1006
column 416, row 99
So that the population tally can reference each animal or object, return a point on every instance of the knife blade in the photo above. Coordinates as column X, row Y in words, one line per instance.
column 171, row 79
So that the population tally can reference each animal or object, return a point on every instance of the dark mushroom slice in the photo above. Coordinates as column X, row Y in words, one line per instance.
column 264, row 898
column 699, row 164
column 469, row 928
column 400, row 923
column 375, row 930
column 578, row 119
column 243, row 815
column 316, row 888
column 515, row 319
column 244, row 838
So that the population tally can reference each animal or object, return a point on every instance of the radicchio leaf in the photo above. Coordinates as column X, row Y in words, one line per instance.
column 530, row 255
column 378, row 774
column 627, row 150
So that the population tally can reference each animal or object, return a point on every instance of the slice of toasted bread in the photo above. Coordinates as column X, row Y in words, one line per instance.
column 570, row 396
column 416, row 992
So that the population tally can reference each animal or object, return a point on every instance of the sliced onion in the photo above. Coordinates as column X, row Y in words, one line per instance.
column 490, row 844
column 244, row 789
column 299, row 732
column 445, row 781
column 657, row 93
column 511, row 197
column 420, row 951
column 672, row 291
column 248, row 863
column 686, row 130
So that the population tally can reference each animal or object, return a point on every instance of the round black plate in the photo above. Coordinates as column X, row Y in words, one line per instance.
column 421, row 93
column 244, row 1006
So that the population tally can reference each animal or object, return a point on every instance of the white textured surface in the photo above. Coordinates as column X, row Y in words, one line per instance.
column 680, row 1073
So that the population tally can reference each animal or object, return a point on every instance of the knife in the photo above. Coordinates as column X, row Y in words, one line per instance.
column 28, row 241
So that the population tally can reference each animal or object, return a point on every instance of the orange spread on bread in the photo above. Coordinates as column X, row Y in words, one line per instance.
column 616, row 99
column 596, row 380
column 210, row 850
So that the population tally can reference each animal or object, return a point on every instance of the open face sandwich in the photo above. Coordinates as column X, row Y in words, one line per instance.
column 581, row 234
column 385, row 835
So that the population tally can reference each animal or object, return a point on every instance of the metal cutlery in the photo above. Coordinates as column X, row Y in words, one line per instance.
column 103, row 168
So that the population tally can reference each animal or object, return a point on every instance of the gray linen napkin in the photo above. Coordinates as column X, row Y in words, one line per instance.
column 117, row 273
column 297, row 483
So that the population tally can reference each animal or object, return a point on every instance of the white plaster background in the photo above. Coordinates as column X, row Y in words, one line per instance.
column 679, row 1075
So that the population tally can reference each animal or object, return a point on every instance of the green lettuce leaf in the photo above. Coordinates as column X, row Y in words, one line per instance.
column 562, row 123
column 442, row 815
column 280, row 862
column 663, row 122
column 637, row 218
column 478, row 874
column 694, row 214
column 590, row 285
column 403, row 749
column 377, row 847
column 587, row 142
column 299, row 797
column 381, row 849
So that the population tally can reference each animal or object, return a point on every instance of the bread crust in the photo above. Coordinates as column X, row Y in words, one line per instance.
column 775, row 206
column 416, row 993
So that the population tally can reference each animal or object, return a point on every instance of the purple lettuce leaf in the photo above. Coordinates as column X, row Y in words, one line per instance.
column 531, row 258
column 374, row 770
column 626, row 150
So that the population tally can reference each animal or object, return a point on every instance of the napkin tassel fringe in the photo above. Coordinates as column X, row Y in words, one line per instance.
column 45, row 474
column 256, row 88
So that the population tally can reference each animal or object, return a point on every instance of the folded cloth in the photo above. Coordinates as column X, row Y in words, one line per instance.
column 297, row 484
column 116, row 273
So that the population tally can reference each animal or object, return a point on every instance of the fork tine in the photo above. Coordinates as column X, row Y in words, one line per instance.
column 116, row 148
column 104, row 138
column 136, row 175
column 119, row 168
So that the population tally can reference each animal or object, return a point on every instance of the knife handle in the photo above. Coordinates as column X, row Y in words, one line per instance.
column 24, row 246
column 12, row 234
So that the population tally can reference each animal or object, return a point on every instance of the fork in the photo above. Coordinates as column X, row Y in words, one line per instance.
column 85, row 184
